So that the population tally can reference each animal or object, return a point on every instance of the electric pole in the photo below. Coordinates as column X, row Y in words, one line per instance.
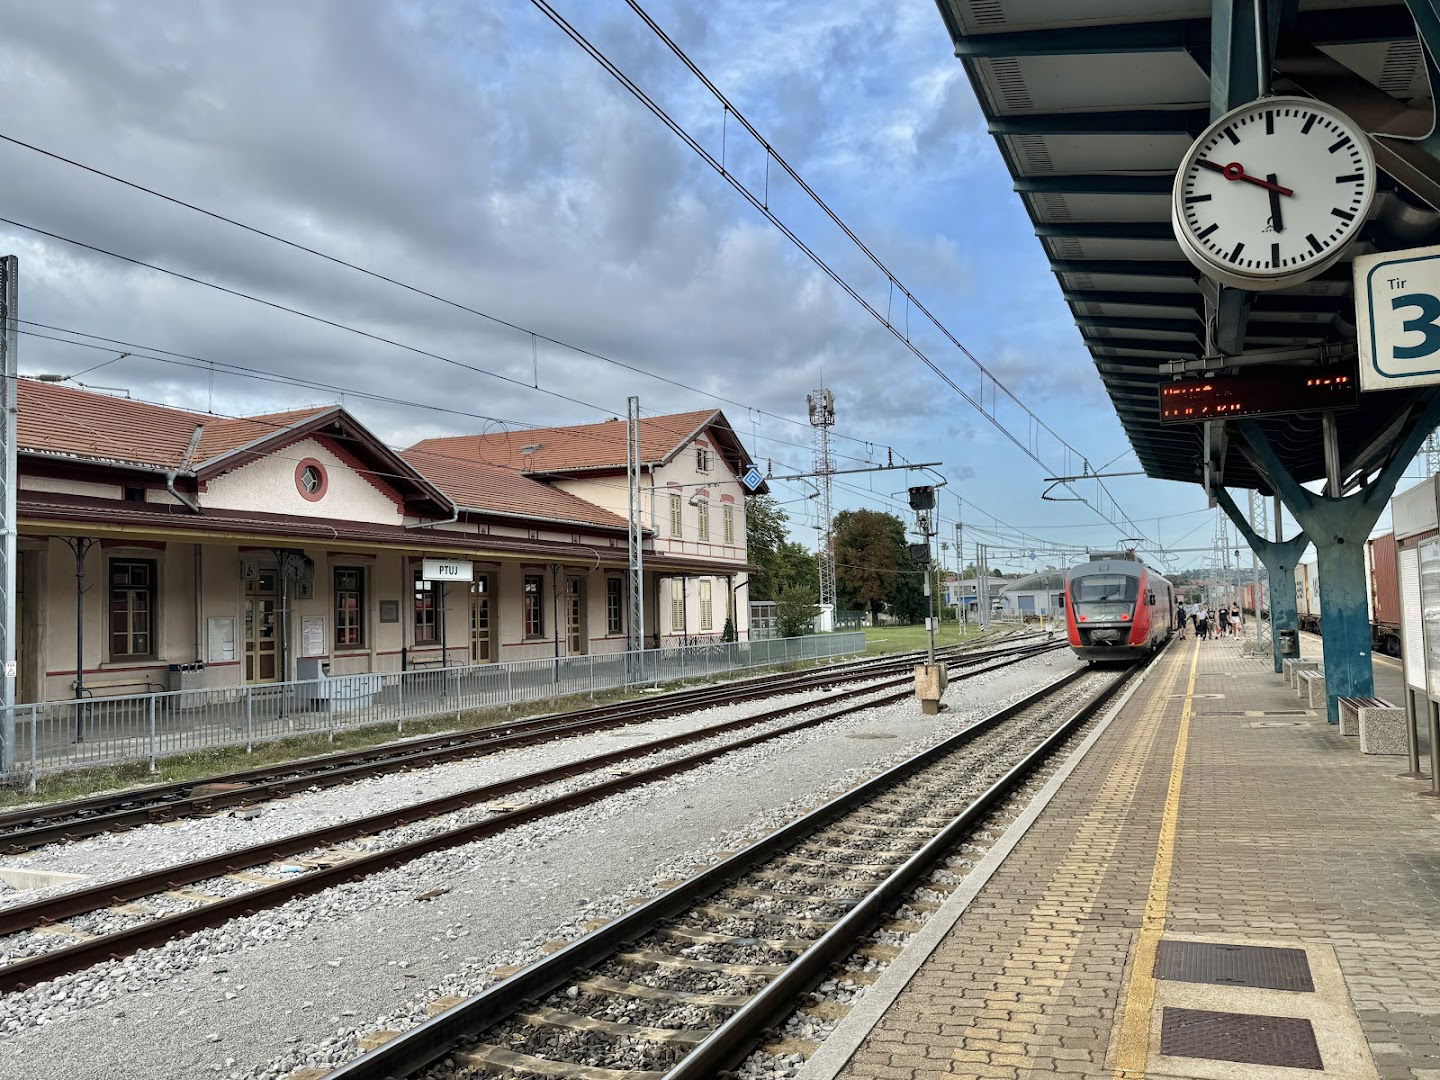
column 9, row 417
column 821, row 406
column 635, row 637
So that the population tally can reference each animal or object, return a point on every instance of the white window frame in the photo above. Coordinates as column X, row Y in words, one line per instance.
column 677, row 519
column 707, row 611
column 702, row 519
column 727, row 518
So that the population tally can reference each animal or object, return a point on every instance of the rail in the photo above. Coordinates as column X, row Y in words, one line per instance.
column 68, row 734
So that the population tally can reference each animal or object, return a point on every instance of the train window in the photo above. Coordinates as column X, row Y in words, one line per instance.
column 1104, row 596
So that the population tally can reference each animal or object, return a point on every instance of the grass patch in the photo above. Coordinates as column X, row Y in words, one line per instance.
column 892, row 639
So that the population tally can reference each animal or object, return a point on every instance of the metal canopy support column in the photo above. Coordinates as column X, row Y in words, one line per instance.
column 1339, row 527
column 1280, row 559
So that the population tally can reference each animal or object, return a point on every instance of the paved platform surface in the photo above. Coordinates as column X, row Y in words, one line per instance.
column 1215, row 809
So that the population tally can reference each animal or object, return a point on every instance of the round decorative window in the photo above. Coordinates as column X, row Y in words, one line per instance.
column 311, row 479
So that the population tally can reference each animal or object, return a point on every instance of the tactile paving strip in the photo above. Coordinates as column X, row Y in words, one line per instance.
column 1219, row 964
column 1282, row 1041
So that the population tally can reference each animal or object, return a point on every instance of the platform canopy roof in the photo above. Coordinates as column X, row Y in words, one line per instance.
column 1094, row 102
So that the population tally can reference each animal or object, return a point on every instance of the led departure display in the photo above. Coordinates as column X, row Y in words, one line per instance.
column 1258, row 394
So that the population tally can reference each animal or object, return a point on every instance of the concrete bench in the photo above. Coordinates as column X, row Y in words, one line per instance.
column 1312, row 688
column 1350, row 712
column 1380, row 725
column 1292, row 668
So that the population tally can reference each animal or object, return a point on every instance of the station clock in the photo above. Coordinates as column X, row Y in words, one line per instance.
column 1272, row 193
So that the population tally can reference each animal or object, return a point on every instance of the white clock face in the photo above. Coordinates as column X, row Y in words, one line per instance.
column 1273, row 192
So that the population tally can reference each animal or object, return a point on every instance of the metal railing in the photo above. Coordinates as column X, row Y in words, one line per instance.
column 145, row 727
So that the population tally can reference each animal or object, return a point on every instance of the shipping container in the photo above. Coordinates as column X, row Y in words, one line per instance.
column 1382, row 594
column 1381, row 554
column 1307, row 596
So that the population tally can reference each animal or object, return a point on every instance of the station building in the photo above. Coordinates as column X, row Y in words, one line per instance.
column 165, row 548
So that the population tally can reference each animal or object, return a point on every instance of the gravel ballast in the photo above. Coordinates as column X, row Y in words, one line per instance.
column 299, row 984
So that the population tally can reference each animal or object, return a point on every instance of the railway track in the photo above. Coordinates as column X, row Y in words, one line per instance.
column 39, row 943
column 686, row 985
column 32, row 827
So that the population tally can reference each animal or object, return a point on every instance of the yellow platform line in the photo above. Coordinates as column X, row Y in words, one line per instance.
column 1133, row 1048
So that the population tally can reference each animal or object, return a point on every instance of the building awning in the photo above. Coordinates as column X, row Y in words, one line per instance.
column 46, row 513
column 1092, row 104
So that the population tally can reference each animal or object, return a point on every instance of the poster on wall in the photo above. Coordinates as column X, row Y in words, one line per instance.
column 1430, row 613
column 221, row 635
column 312, row 635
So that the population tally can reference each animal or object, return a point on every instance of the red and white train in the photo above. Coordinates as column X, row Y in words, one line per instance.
column 1117, row 608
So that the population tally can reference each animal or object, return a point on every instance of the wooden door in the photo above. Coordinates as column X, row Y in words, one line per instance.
column 575, row 629
column 482, row 648
column 262, row 609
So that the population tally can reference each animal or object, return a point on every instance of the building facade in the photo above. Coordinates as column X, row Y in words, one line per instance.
column 161, row 548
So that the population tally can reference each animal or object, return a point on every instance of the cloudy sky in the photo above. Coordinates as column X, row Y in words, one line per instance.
column 475, row 152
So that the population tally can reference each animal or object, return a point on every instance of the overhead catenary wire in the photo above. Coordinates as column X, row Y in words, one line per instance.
column 534, row 335
column 192, row 361
column 763, row 207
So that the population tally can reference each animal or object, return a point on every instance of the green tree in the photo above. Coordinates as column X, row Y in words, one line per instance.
column 765, row 539
column 795, row 611
column 870, row 559
column 796, row 566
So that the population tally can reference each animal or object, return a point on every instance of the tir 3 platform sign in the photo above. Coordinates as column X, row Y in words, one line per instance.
column 1397, row 315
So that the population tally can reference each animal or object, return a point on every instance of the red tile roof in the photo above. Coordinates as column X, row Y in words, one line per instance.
column 223, row 435
column 581, row 446
column 64, row 421
column 61, row 420
column 58, row 419
column 477, row 485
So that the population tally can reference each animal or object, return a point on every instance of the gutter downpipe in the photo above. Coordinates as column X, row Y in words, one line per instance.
column 194, row 507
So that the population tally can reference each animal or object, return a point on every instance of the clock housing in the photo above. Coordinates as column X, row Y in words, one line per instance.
column 1273, row 192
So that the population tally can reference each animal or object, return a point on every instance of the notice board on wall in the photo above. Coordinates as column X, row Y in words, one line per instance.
column 312, row 635
column 220, row 636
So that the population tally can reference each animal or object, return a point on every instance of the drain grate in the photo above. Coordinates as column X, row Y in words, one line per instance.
column 1218, row 964
column 1282, row 1041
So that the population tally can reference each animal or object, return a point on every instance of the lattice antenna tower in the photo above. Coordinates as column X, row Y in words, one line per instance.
column 1431, row 452
column 821, row 406
column 1260, row 522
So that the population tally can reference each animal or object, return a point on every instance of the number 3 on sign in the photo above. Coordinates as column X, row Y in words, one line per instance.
column 1397, row 318
column 1424, row 323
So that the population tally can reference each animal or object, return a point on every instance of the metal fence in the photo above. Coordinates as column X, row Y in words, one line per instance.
column 144, row 727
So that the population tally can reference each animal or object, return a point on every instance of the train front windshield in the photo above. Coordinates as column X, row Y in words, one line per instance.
column 1104, row 597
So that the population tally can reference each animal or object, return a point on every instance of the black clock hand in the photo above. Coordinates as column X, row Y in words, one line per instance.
column 1275, row 217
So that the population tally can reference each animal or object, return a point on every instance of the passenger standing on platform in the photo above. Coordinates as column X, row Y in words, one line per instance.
column 1234, row 620
column 1180, row 619
column 1202, row 625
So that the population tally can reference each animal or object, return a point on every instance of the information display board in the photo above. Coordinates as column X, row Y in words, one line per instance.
column 1257, row 393
column 1430, row 613
column 1412, row 633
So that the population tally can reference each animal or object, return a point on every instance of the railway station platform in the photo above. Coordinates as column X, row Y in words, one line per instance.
column 1220, row 885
